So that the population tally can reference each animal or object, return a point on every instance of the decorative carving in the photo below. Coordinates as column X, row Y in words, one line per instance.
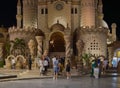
column 19, row 60
column 1, row 50
column 80, row 46
column 45, row 53
column 68, row 46
column 31, row 45
column 8, row 61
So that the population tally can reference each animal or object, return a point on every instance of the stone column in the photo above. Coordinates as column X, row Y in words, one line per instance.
column 1, row 51
column 31, row 45
column 67, row 47
column 80, row 46
column 40, row 45
column 46, row 52
column 46, row 45
column 11, row 48
column 110, row 55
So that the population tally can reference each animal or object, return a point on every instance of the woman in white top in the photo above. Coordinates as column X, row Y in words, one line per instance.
column 45, row 63
column 13, row 63
column 41, row 66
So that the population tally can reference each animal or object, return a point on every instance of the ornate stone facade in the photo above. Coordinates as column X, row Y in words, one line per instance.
column 62, row 22
column 57, row 27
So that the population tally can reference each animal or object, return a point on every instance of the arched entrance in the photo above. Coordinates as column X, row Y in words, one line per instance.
column 57, row 44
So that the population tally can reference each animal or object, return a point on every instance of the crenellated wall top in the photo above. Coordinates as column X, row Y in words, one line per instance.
column 25, row 29
column 17, row 29
column 93, row 29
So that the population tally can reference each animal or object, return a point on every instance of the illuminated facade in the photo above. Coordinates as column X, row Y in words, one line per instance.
column 63, row 27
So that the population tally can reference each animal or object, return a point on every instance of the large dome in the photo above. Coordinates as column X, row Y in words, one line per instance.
column 104, row 24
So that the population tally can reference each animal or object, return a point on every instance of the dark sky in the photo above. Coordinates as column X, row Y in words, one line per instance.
column 7, row 12
column 111, row 10
column 112, row 14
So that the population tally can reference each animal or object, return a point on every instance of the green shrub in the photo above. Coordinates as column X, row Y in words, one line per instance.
column 1, row 64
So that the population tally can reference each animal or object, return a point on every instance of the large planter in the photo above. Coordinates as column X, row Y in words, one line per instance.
column 18, row 65
column 96, row 72
column 8, row 64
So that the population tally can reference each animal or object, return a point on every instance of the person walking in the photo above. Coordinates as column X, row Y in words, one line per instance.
column 67, row 68
column 105, row 61
column 93, row 65
column 55, row 68
column 41, row 66
column 29, row 62
column 100, row 68
column 45, row 64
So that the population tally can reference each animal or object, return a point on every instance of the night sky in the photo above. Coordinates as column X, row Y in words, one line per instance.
column 111, row 10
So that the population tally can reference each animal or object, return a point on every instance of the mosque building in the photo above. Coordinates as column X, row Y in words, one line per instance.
column 68, row 28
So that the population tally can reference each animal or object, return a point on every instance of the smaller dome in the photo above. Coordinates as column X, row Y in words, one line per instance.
column 58, row 26
column 104, row 24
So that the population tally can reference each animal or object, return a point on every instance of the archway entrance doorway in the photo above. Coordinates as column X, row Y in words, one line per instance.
column 57, row 44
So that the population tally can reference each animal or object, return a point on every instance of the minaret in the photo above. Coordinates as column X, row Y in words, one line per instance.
column 87, row 13
column 19, row 15
column 100, row 13
column 113, row 26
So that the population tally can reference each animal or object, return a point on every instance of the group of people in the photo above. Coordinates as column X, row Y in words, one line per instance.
column 58, row 65
column 101, row 65
column 43, row 64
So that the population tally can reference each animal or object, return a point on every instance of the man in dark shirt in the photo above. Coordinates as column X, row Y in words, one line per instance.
column 29, row 62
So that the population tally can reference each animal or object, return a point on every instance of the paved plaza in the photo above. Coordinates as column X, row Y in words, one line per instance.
column 74, row 82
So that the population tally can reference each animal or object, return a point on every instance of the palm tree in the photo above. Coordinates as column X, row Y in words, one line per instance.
column 18, row 44
column 86, row 59
column 7, row 48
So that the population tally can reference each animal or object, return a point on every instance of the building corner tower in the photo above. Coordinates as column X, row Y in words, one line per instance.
column 93, row 32
column 19, row 14
column 30, row 13
column 87, row 13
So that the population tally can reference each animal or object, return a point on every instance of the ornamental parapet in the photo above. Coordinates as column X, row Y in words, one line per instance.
column 87, row 29
column 25, row 32
column 25, row 29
